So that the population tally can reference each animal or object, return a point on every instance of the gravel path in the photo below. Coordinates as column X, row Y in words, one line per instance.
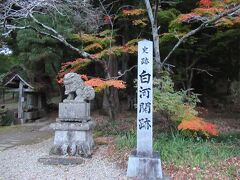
column 20, row 163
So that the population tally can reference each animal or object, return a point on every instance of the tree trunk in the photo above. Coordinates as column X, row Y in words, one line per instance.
column 110, row 97
column 111, row 102
column 155, row 34
column 60, row 87
column 156, row 47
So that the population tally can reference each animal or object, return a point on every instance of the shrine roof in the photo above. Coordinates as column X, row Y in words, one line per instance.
column 14, row 81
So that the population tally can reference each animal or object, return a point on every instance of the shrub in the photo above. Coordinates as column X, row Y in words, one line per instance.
column 6, row 120
column 175, row 103
column 197, row 124
column 180, row 107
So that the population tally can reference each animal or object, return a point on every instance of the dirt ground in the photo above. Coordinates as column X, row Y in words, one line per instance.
column 30, row 133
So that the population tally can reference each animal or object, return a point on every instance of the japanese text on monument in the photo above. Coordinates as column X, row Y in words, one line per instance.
column 145, row 86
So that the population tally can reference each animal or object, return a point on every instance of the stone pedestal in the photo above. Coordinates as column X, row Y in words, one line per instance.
column 74, row 111
column 144, row 167
column 73, row 130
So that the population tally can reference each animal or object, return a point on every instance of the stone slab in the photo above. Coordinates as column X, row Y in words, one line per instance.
column 74, row 110
column 34, row 115
column 66, row 126
column 145, row 167
column 82, row 119
column 61, row 160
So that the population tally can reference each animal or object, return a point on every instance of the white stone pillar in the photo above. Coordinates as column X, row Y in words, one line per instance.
column 144, row 163
column 144, row 100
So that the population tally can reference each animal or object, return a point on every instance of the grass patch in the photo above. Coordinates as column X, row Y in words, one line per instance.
column 196, row 152
column 126, row 140
column 177, row 149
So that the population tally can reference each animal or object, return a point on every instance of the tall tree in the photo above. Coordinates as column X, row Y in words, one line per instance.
column 230, row 9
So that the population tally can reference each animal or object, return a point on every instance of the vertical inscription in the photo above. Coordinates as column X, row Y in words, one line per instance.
column 144, row 105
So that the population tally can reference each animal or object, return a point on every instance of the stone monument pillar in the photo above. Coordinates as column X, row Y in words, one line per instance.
column 73, row 127
column 144, row 163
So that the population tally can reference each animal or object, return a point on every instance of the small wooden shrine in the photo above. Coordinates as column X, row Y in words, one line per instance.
column 30, row 102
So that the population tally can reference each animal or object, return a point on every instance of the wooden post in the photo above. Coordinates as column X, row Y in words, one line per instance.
column 3, row 95
column 39, row 96
column 20, row 102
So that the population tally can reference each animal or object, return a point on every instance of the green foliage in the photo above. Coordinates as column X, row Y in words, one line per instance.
column 6, row 118
column 6, row 62
column 42, row 55
column 87, row 39
column 226, row 38
column 174, row 103
column 166, row 16
column 177, row 27
column 167, row 38
column 33, row 47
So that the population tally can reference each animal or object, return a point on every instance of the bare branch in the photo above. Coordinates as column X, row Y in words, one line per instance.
column 60, row 38
column 202, row 71
column 155, row 33
column 122, row 74
column 156, row 11
column 202, row 26
column 149, row 11
column 14, row 11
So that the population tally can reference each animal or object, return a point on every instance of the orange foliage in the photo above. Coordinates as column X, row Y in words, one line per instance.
column 237, row 20
column 185, row 17
column 84, row 77
column 95, row 82
column 199, row 125
column 119, row 84
column 133, row 12
column 101, row 84
column 59, row 81
column 141, row 22
column 73, row 63
column 225, row 22
column 93, row 47
column 89, row 38
column 230, row 1
column 199, row 12
column 210, row 11
column 107, row 19
column 205, row 3
column 117, row 50
column 209, row 8
column 71, row 66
